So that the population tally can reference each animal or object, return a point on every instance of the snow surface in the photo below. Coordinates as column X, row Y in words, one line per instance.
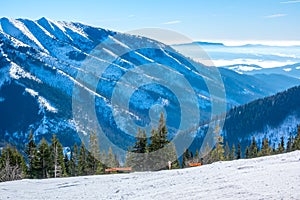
column 273, row 177
column 287, row 69
column 17, row 72
column 274, row 134
column 44, row 104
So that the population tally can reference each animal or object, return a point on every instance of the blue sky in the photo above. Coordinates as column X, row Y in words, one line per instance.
column 209, row 20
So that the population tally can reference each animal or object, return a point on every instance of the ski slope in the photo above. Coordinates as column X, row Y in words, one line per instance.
column 273, row 177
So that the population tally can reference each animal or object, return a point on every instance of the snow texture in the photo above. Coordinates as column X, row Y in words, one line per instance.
column 273, row 177
column 44, row 104
column 16, row 72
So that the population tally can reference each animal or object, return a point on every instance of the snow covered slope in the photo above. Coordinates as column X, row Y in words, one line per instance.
column 40, row 61
column 273, row 177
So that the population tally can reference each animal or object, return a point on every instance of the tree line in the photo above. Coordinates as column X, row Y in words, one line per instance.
column 45, row 160
column 223, row 152
column 50, row 160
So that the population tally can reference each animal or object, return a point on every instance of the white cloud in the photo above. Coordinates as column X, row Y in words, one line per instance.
column 276, row 15
column 295, row 1
column 172, row 22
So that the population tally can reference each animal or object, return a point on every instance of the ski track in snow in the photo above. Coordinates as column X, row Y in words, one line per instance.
column 273, row 177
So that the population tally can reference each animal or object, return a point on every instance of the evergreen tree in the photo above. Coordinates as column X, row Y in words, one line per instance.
column 111, row 159
column 253, row 151
column 32, row 157
column 280, row 148
column 44, row 158
column 282, row 143
column 68, row 163
column 265, row 150
column 289, row 146
column 247, row 153
column 296, row 143
column 162, row 131
column 73, row 170
column 12, row 165
column 160, row 150
column 186, row 157
column 227, row 152
column 273, row 149
column 93, row 158
column 218, row 152
column 239, row 151
column 138, row 157
column 82, row 161
column 58, row 168
column 232, row 153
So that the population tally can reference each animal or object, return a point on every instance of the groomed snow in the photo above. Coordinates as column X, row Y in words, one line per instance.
column 273, row 177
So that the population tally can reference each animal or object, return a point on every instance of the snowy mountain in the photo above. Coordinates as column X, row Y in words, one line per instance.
column 271, row 117
column 272, row 177
column 292, row 70
column 244, row 58
column 40, row 63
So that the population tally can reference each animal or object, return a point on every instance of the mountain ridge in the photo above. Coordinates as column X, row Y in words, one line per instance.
column 40, row 61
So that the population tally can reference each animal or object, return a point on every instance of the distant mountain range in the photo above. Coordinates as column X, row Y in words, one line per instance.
column 243, row 58
column 201, row 43
column 287, row 70
column 229, row 46
column 40, row 61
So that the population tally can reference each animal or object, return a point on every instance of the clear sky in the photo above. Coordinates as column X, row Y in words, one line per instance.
column 206, row 20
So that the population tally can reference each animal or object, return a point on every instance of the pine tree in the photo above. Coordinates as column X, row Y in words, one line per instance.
column 296, row 143
column 227, row 152
column 265, row 150
column 232, row 153
column 239, row 151
column 111, row 159
column 93, row 158
column 186, row 157
column 57, row 158
column 162, row 131
column 73, row 161
column 253, row 151
column 68, row 163
column 154, row 141
column 160, row 150
column 218, row 152
column 137, row 159
column 44, row 158
column 32, row 157
column 247, row 153
column 289, row 146
column 280, row 148
column 12, row 165
column 282, row 143
column 82, row 161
